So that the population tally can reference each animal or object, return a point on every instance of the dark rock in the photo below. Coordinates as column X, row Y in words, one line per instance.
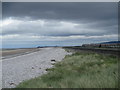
column 47, row 69
column 12, row 84
column 53, row 60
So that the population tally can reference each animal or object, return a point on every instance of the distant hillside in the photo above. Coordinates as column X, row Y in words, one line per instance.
column 110, row 42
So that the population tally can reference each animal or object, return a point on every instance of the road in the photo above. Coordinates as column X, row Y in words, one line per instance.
column 25, row 67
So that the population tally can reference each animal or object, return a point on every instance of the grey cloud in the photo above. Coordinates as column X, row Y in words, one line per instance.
column 97, row 15
column 68, row 11
column 90, row 19
column 57, row 28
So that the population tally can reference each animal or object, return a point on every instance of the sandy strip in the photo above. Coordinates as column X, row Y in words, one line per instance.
column 17, row 52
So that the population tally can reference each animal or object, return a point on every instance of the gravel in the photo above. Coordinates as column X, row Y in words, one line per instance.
column 25, row 67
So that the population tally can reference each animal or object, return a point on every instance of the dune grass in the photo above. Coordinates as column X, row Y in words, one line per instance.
column 80, row 70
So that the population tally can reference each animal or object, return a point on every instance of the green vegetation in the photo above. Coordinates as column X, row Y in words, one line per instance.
column 80, row 70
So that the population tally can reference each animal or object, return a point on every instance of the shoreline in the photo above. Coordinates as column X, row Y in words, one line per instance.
column 9, row 53
column 17, row 69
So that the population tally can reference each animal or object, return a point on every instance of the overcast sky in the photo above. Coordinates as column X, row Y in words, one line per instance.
column 38, row 24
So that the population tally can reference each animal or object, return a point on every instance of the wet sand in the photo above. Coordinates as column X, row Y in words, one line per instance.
column 9, row 53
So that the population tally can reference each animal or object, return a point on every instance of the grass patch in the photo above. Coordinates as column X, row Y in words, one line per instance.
column 80, row 70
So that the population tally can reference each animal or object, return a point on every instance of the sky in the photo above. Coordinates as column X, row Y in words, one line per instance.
column 32, row 24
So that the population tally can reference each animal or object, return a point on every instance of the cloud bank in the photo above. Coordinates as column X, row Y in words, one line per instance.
column 33, row 24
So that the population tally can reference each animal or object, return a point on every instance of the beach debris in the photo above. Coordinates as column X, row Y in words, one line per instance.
column 12, row 83
column 47, row 69
column 53, row 60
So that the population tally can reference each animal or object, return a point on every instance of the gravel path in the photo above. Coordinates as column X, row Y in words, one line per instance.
column 17, row 69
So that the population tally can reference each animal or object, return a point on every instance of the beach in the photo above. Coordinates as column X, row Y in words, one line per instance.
column 24, row 67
